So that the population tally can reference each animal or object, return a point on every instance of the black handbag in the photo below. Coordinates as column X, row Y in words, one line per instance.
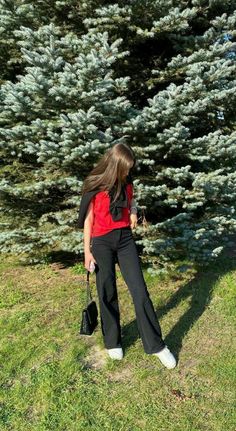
column 89, row 314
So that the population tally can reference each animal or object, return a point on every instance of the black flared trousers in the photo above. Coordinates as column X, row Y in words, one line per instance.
column 119, row 246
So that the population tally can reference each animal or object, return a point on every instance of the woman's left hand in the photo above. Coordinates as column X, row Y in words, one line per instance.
column 133, row 220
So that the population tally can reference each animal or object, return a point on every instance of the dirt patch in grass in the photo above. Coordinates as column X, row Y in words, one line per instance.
column 122, row 375
column 96, row 359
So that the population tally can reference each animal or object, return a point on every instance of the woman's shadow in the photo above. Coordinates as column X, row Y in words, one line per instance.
column 199, row 290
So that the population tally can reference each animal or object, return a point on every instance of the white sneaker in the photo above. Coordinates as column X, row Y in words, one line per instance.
column 166, row 357
column 116, row 353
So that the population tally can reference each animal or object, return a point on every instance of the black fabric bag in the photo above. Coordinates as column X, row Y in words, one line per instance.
column 89, row 314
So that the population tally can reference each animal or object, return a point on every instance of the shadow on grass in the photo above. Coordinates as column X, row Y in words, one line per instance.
column 64, row 259
column 199, row 291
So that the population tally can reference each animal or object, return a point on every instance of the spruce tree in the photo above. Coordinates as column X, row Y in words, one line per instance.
column 17, row 13
column 58, row 118
column 161, row 73
column 184, row 133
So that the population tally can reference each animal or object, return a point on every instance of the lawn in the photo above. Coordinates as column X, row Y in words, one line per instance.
column 53, row 378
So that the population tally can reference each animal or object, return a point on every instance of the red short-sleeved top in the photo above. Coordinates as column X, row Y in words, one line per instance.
column 102, row 221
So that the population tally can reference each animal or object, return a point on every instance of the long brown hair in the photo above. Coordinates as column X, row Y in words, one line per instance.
column 110, row 170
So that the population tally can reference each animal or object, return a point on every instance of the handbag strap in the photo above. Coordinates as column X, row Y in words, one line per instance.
column 89, row 293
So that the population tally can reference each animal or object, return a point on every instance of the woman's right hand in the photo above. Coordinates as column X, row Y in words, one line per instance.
column 88, row 258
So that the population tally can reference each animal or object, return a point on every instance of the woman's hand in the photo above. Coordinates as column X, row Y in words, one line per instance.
column 133, row 220
column 88, row 258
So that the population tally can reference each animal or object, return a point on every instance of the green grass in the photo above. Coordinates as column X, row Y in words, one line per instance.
column 53, row 378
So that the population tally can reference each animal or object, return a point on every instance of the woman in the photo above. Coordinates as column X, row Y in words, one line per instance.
column 108, row 213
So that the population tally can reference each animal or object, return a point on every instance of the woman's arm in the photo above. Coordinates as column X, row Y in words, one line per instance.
column 133, row 206
column 88, row 223
column 133, row 210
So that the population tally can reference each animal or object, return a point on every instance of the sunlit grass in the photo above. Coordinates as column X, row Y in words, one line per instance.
column 53, row 378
